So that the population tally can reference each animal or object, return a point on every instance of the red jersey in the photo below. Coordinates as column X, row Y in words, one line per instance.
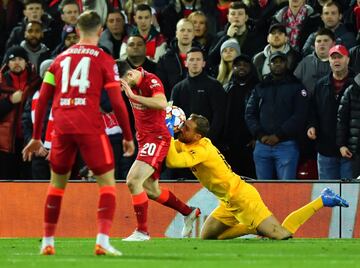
column 80, row 73
column 147, row 120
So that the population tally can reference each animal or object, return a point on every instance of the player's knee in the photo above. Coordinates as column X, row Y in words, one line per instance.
column 152, row 192
column 207, row 236
column 280, row 235
column 132, row 184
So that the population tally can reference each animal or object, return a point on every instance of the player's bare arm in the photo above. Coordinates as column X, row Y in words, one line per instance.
column 157, row 101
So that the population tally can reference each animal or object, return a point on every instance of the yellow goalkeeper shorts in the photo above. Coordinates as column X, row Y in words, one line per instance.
column 245, row 206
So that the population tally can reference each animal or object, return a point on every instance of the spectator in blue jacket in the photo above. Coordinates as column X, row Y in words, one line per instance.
column 276, row 114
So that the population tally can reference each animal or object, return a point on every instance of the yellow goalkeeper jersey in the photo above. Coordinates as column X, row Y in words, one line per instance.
column 208, row 165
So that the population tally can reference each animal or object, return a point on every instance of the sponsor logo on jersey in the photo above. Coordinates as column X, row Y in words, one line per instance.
column 72, row 101
column 155, row 83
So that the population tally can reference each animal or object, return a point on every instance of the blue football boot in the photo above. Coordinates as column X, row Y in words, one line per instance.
column 331, row 199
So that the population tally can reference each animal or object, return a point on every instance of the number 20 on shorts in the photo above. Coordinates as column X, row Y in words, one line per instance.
column 148, row 149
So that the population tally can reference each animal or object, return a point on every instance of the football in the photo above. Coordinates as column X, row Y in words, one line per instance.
column 179, row 115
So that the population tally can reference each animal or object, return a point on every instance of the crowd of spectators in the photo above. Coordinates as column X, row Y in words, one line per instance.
column 278, row 79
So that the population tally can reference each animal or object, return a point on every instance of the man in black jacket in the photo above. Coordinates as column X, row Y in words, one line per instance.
column 34, row 11
column 348, row 126
column 171, row 66
column 238, row 27
column 276, row 115
column 238, row 140
column 323, row 114
column 201, row 94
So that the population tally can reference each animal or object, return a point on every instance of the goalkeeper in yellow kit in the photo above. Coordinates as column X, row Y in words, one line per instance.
column 241, row 210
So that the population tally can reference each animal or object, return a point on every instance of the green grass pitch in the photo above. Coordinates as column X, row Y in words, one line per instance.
column 173, row 253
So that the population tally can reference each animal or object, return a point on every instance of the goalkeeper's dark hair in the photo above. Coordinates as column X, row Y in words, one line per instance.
column 202, row 124
column 123, row 67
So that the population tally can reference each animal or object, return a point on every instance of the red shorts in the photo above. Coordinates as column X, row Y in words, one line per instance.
column 153, row 150
column 95, row 150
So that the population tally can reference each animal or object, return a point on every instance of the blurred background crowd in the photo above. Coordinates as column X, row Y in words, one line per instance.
column 278, row 79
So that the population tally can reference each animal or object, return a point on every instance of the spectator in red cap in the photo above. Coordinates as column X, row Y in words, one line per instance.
column 322, row 126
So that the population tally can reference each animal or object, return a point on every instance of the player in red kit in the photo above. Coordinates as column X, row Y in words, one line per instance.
column 75, row 80
column 146, row 94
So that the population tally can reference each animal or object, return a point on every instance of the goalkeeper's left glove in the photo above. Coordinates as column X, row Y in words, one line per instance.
column 170, row 124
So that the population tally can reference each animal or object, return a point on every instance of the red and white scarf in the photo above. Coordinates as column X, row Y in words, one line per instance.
column 111, row 124
column 293, row 25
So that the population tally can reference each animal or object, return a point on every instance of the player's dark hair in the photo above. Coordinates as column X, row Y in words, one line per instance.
column 67, row 2
column 89, row 21
column 202, row 124
column 29, row 2
column 324, row 31
column 123, row 67
column 143, row 7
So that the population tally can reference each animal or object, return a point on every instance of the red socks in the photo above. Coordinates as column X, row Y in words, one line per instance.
column 140, row 203
column 106, row 209
column 52, row 210
column 168, row 199
column 105, row 214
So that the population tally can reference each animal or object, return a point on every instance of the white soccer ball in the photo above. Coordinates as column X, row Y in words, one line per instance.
column 179, row 114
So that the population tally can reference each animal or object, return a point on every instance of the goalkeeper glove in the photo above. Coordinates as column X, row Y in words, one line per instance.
column 170, row 124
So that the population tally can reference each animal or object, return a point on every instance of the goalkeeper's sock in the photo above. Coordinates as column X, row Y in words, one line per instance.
column 300, row 216
column 167, row 198
column 237, row 231
column 106, row 209
column 52, row 210
column 140, row 203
